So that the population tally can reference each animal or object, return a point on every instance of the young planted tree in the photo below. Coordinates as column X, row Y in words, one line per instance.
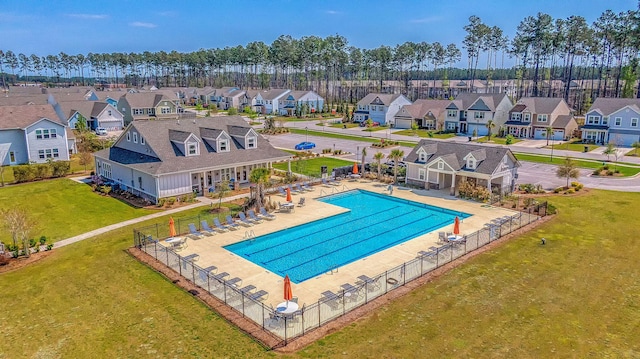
column 378, row 158
column 490, row 126
column 610, row 150
column 19, row 224
column 396, row 156
column 364, row 154
column 85, row 159
column 548, row 132
column 222, row 189
column 568, row 169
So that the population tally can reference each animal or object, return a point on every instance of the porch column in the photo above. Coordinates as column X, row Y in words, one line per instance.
column 489, row 184
column 426, row 180
column 453, row 184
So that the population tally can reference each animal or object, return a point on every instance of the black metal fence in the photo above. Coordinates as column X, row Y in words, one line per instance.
column 319, row 313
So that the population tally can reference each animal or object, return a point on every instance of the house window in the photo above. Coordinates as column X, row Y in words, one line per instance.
column 452, row 113
column 109, row 113
column 12, row 157
column 516, row 116
column 251, row 142
column 56, row 154
column 527, row 117
column 135, row 137
column 605, row 121
column 129, row 136
column 224, row 145
column 618, row 121
column 634, row 122
column 40, row 153
column 165, row 110
column 380, row 108
column 542, row 118
column 440, row 165
column 53, row 133
column 192, row 149
column 422, row 174
column 141, row 140
column 471, row 163
column 592, row 120
column 38, row 134
column 451, row 125
column 138, row 111
column 478, row 115
column 48, row 153
column 422, row 157
column 106, row 170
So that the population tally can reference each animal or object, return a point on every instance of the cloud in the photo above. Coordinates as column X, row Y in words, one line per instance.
column 88, row 16
column 143, row 24
column 426, row 20
column 333, row 12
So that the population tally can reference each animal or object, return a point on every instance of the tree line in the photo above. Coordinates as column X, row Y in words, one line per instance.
column 603, row 55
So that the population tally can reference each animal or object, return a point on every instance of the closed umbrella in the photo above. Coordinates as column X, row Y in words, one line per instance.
column 456, row 226
column 355, row 168
column 172, row 228
column 288, row 294
column 289, row 194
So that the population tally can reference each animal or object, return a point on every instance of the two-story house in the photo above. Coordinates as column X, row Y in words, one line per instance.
column 272, row 100
column 308, row 101
column 32, row 133
column 612, row 120
column 531, row 116
column 379, row 108
column 218, row 96
column 95, row 113
column 145, row 106
column 469, row 113
column 444, row 165
column 157, row 159
column 426, row 114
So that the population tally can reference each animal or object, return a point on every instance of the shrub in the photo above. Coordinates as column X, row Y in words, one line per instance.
column 32, row 242
column 161, row 202
column 551, row 209
column 430, row 134
column 232, row 111
column 570, row 191
column 49, row 246
column 575, row 184
column 558, row 190
column 509, row 139
column 171, row 200
column 43, row 240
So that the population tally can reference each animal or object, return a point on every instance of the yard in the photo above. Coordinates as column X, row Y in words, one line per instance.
column 626, row 169
column 311, row 167
column 424, row 134
column 497, row 140
column 76, row 168
column 62, row 208
column 347, row 137
column 576, row 296
column 573, row 146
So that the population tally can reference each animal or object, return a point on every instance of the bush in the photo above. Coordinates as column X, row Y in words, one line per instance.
column 49, row 246
column 570, row 191
column 32, row 243
column 43, row 240
column 509, row 139
column 551, row 209
column 558, row 190
column 232, row 111
column 161, row 202
column 170, row 201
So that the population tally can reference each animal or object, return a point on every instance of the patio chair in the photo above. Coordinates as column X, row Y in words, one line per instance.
column 259, row 295
column 282, row 192
column 221, row 276
column 442, row 237
column 274, row 318
column 330, row 298
column 210, row 269
column 180, row 245
column 194, row 233
column 219, row 226
column 266, row 215
column 253, row 217
column 307, row 187
column 231, row 223
column 370, row 282
column 205, row 227
column 299, row 188
column 293, row 189
column 236, row 282
column 427, row 254
column 248, row 289
column 301, row 202
column 350, row 291
column 149, row 239
column 325, row 183
column 244, row 221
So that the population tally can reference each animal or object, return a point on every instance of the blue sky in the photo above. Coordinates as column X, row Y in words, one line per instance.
column 49, row 27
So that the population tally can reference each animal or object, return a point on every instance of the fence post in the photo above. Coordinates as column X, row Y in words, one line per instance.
column 319, row 319
column 167, row 252
column 180, row 265
column 155, row 250
column 157, row 232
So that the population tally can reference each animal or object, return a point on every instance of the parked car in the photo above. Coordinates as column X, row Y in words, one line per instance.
column 305, row 146
column 100, row 131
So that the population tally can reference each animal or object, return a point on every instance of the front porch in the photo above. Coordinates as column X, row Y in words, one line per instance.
column 238, row 176
column 450, row 181
column 519, row 131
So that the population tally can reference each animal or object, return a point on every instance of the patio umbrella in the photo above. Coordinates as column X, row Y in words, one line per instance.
column 456, row 226
column 355, row 168
column 172, row 228
column 287, row 289
column 288, row 194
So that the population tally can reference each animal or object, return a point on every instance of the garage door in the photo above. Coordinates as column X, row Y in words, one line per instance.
column 622, row 139
column 403, row 123
column 541, row 134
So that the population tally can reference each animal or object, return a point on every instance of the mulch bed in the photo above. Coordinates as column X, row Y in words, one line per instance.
column 20, row 262
column 360, row 313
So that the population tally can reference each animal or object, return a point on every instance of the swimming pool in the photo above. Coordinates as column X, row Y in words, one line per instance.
column 373, row 223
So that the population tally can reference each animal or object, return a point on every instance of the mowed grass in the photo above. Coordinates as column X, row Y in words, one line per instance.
column 63, row 208
column 424, row 134
column 76, row 169
column 577, row 296
column 312, row 166
column 572, row 146
column 348, row 137
column 497, row 140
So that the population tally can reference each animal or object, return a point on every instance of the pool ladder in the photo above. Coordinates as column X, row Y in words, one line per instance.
column 250, row 235
column 334, row 269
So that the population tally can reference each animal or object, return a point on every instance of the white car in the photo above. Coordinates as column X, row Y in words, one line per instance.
column 100, row 131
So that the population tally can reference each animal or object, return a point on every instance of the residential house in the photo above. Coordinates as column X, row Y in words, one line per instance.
column 95, row 113
column 612, row 120
column 12, row 99
column 445, row 165
column 426, row 114
column 469, row 113
column 158, row 159
column 308, row 101
column 379, row 108
column 32, row 133
column 146, row 106
column 531, row 116
column 270, row 101
column 218, row 96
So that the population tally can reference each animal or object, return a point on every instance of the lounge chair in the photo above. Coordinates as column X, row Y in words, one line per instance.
column 442, row 237
column 260, row 295
column 298, row 188
column 301, row 202
column 325, row 183
column 266, row 215
column 210, row 269
column 221, row 276
column 191, row 257
column 244, row 220
column 307, row 187
column 282, row 192
column 253, row 217
column 236, row 282
column 427, row 254
column 194, row 233
column 349, row 290
column 219, row 226
column 248, row 289
column 331, row 299
column 231, row 223
column 205, row 227
column 369, row 281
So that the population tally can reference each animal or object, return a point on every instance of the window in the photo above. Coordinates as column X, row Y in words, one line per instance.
column 527, row 117
column 12, row 157
column 39, row 134
column 478, row 115
column 106, row 170
column 422, row 157
column 605, row 121
column 422, row 174
column 109, row 113
column 618, row 121
column 135, row 137
column 224, row 145
column 141, row 140
column 380, row 108
column 471, row 163
column 56, row 154
column 48, row 153
column 251, row 142
column 138, row 111
column 165, row 110
column 129, row 136
column 192, row 149
column 40, row 153
column 53, row 133
column 516, row 116
column 634, row 122
column 592, row 120
column 542, row 118
column 452, row 113
column 440, row 165
column 451, row 125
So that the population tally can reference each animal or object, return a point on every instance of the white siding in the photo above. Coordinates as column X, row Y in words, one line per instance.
column 174, row 184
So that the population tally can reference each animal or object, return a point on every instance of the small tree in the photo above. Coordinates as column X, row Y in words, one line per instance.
column 490, row 126
column 568, row 169
column 223, row 189
column 548, row 132
column 19, row 224
column 260, row 176
column 414, row 128
column 396, row 155
column 85, row 159
column 378, row 158
column 364, row 154
column 232, row 111
column 610, row 150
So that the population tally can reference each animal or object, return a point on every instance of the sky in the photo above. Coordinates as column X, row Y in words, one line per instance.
column 71, row 26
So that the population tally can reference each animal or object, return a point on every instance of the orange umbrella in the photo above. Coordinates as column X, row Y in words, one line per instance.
column 456, row 226
column 355, row 168
column 172, row 228
column 288, row 194
column 288, row 294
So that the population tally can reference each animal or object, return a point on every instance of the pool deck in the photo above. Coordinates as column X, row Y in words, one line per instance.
column 211, row 249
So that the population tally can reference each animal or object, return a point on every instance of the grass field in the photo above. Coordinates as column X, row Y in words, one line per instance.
column 62, row 208
column 626, row 169
column 577, row 296
column 572, row 146
column 311, row 167
column 348, row 137
column 424, row 134
column 497, row 140
column 76, row 168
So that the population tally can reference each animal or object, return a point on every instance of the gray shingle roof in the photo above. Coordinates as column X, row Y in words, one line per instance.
column 145, row 99
column 489, row 157
column 23, row 116
column 273, row 93
column 383, row 98
column 160, row 134
column 465, row 100
column 19, row 99
column 422, row 107
column 607, row 106
column 543, row 105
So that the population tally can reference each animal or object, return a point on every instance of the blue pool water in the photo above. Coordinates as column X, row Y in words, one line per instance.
column 374, row 222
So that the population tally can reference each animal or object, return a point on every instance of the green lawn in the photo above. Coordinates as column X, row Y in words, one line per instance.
column 573, row 146
column 375, row 128
column 424, row 134
column 311, row 167
column 62, row 208
column 341, row 125
column 626, row 169
column 347, row 137
column 76, row 169
column 577, row 296
column 497, row 140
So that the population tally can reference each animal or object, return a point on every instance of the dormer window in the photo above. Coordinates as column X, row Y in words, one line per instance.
column 129, row 136
column 135, row 137
column 422, row 156
column 223, row 145
column 471, row 163
column 251, row 142
column 192, row 149
column 141, row 140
